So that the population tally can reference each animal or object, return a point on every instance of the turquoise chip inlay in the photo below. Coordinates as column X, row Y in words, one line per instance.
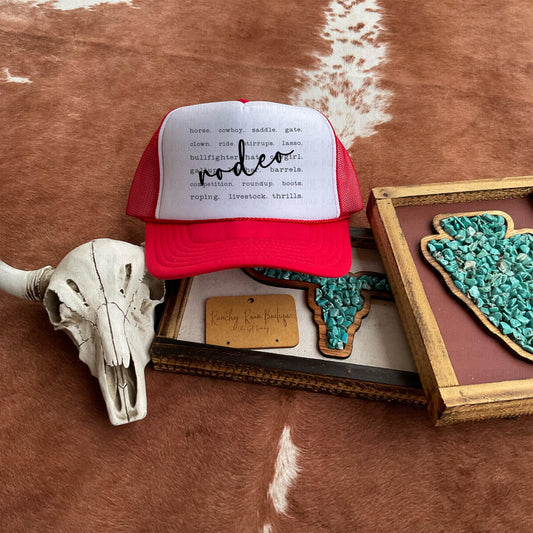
column 338, row 298
column 494, row 272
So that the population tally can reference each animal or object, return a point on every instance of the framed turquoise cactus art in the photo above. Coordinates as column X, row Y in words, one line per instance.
column 459, row 258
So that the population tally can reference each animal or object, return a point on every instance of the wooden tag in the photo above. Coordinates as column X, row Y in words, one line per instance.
column 258, row 321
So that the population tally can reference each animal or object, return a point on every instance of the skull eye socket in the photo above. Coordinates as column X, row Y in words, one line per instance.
column 52, row 303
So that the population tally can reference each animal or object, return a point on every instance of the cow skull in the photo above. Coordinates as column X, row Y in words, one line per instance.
column 101, row 295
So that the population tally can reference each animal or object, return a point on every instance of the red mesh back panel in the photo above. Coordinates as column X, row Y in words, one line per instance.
column 350, row 199
column 145, row 187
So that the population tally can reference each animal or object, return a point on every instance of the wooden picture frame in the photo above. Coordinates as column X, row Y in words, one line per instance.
column 178, row 348
column 467, row 373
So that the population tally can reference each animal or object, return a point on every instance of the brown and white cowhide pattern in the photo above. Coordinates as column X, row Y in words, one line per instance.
column 345, row 83
column 418, row 92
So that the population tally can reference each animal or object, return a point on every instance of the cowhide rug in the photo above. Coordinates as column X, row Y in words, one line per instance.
column 418, row 92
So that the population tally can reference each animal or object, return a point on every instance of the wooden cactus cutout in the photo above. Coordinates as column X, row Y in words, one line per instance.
column 488, row 265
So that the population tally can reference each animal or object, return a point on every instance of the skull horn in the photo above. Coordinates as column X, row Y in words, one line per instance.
column 26, row 284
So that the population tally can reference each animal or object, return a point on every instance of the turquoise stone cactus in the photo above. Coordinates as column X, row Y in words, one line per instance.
column 340, row 299
column 491, row 265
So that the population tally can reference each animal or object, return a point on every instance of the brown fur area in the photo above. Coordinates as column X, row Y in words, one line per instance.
column 461, row 83
column 459, row 77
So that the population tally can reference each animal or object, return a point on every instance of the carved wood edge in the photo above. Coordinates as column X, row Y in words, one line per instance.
column 504, row 399
column 457, row 191
column 441, row 234
column 317, row 311
column 294, row 380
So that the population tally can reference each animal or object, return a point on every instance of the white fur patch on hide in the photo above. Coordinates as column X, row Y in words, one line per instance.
column 68, row 5
column 345, row 85
column 14, row 79
column 285, row 473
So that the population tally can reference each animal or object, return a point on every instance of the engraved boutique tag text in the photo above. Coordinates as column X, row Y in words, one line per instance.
column 258, row 321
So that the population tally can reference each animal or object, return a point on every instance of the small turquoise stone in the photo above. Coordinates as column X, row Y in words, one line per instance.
column 474, row 292
column 506, row 328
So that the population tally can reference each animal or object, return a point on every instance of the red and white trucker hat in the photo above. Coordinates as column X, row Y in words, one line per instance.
column 245, row 184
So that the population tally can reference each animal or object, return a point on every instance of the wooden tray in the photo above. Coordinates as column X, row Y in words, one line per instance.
column 467, row 374
column 179, row 346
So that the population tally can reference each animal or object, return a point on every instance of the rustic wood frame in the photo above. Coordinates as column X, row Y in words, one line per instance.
column 448, row 401
column 320, row 375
